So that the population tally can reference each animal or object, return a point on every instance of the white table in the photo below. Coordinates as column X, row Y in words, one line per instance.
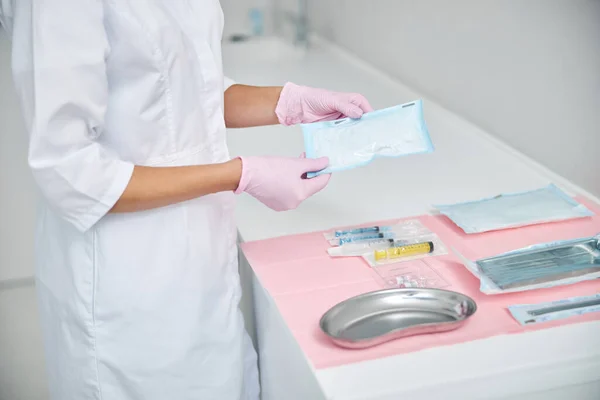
column 467, row 164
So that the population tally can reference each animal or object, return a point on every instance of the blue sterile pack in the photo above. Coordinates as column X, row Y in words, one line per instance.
column 548, row 204
column 349, row 143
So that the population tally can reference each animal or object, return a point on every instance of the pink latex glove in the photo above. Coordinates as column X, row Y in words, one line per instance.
column 279, row 182
column 301, row 105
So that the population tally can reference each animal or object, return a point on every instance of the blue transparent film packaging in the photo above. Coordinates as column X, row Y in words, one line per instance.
column 350, row 143
column 528, row 314
column 548, row 204
column 539, row 266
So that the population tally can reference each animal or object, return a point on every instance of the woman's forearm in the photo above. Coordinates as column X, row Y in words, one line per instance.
column 248, row 106
column 153, row 187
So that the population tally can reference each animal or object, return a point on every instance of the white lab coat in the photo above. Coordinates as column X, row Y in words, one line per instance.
column 137, row 306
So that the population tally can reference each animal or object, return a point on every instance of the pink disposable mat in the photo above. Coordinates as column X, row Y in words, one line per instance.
column 305, row 282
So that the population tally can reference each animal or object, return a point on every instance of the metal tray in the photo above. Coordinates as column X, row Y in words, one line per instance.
column 377, row 317
column 530, row 267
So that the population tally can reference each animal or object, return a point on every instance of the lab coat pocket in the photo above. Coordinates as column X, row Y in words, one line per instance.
column 139, row 257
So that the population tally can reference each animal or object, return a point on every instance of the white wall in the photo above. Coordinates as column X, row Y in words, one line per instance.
column 526, row 71
column 17, row 190
column 237, row 19
column 22, row 373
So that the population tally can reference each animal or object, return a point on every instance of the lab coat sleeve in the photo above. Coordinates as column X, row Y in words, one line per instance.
column 59, row 52
column 228, row 82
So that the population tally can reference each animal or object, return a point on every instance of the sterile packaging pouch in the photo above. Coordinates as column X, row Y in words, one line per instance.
column 350, row 143
column 535, row 313
column 539, row 266
column 548, row 204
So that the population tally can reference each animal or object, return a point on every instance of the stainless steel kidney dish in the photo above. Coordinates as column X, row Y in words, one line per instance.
column 377, row 317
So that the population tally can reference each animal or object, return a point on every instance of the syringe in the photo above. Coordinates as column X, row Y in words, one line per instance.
column 356, row 231
column 406, row 250
column 361, row 248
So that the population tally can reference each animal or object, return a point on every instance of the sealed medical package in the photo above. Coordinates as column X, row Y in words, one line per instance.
column 350, row 143
column 384, row 244
column 539, row 266
column 559, row 309
column 548, row 204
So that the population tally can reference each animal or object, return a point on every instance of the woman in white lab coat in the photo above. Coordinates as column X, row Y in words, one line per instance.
column 126, row 107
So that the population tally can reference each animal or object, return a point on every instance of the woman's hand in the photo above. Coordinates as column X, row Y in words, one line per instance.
column 248, row 106
column 279, row 182
column 301, row 104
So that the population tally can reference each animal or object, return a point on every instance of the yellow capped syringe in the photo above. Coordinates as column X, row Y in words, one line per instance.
column 403, row 251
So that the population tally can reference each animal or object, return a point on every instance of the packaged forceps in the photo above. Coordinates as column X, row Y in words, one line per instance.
column 560, row 309
column 539, row 266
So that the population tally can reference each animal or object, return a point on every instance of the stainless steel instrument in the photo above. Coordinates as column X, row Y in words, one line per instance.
column 377, row 317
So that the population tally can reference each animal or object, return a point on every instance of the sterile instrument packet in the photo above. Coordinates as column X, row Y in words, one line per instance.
column 548, row 204
column 539, row 266
column 535, row 313
column 350, row 143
